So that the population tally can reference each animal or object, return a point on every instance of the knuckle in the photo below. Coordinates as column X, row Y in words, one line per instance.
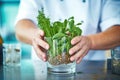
column 78, row 45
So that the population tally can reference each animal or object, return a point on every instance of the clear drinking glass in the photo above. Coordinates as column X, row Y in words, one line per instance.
column 115, row 55
column 58, row 56
column 11, row 54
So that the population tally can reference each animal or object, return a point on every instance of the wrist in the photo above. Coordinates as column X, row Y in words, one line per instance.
column 91, row 41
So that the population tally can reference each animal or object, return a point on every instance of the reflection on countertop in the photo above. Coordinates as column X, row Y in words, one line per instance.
column 36, row 70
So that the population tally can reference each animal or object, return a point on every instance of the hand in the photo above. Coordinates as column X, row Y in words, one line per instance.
column 39, row 44
column 81, row 46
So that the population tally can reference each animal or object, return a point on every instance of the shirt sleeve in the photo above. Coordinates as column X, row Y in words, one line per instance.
column 28, row 9
column 110, row 14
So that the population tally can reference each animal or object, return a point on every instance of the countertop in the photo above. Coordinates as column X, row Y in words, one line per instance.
column 33, row 70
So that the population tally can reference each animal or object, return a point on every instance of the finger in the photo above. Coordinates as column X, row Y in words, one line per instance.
column 76, row 40
column 40, row 32
column 78, row 54
column 42, row 43
column 39, row 52
column 80, row 58
column 76, row 48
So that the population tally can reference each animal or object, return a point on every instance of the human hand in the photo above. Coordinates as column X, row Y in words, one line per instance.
column 81, row 46
column 39, row 45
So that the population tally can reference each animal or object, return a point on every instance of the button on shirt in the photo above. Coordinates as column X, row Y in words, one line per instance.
column 98, row 15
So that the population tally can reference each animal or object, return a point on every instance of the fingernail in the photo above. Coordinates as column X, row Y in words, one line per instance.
column 72, row 42
column 47, row 46
column 44, row 59
column 41, row 32
column 71, row 58
column 43, row 56
column 70, row 52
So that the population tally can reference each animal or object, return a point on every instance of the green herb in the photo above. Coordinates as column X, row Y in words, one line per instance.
column 60, row 31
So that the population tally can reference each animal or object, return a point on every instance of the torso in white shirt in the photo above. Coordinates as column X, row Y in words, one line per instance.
column 60, row 10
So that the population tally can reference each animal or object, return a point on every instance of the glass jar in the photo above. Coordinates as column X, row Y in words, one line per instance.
column 58, row 56
column 115, row 62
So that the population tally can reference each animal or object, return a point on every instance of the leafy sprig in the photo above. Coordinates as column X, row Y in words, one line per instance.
column 63, row 32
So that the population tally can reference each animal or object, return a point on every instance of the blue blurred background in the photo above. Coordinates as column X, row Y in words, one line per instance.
column 8, row 13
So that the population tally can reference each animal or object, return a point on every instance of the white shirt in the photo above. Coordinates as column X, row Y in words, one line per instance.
column 98, row 15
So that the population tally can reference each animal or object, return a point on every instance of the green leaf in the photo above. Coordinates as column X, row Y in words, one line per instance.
column 78, row 23
column 71, row 18
column 59, row 35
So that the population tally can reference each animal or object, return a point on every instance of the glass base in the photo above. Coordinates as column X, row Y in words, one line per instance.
column 62, row 69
